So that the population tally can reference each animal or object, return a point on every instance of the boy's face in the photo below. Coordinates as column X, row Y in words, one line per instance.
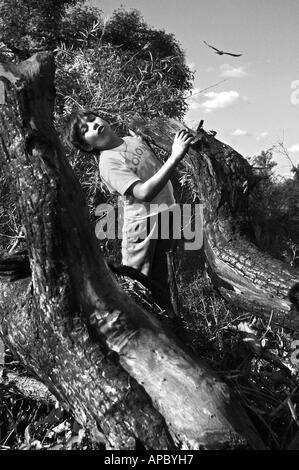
column 96, row 132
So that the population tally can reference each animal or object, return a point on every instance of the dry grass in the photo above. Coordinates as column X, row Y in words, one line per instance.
column 252, row 356
column 35, row 424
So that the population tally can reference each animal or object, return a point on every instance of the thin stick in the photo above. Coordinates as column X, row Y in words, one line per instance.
column 174, row 295
column 17, row 241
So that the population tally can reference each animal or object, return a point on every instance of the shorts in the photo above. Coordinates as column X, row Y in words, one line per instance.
column 144, row 249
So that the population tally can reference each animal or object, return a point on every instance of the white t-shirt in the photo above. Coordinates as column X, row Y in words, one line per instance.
column 126, row 164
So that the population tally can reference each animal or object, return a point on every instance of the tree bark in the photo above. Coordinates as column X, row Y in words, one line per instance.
column 221, row 179
column 107, row 360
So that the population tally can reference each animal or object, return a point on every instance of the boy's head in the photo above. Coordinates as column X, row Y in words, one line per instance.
column 87, row 131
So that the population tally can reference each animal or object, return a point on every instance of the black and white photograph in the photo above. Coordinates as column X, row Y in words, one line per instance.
column 149, row 228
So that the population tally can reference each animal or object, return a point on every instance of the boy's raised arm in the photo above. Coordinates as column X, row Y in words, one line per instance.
column 149, row 189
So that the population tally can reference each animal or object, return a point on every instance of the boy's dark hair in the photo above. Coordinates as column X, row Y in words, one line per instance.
column 72, row 131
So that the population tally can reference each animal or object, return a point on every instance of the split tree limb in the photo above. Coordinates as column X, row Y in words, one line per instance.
column 222, row 179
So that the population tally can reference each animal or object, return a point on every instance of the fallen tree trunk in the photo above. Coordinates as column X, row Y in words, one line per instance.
column 108, row 361
column 222, row 179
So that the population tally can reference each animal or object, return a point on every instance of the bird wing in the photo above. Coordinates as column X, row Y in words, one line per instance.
column 212, row 47
column 222, row 52
column 234, row 55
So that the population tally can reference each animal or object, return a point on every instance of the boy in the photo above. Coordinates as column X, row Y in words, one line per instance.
column 130, row 169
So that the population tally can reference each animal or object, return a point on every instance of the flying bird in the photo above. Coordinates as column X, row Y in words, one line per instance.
column 222, row 52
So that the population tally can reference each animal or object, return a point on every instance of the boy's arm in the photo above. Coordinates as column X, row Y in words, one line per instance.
column 149, row 189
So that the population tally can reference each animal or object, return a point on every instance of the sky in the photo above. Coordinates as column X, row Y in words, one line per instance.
column 257, row 102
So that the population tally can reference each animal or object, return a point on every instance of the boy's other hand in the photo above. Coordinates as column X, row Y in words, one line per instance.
column 180, row 145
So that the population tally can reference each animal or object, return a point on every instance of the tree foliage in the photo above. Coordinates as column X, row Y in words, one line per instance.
column 128, row 30
column 33, row 24
column 274, row 209
column 119, row 64
column 46, row 25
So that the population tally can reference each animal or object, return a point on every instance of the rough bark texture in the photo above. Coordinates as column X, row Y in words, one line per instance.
column 221, row 179
column 106, row 359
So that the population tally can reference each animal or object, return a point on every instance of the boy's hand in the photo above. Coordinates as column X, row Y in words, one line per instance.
column 180, row 145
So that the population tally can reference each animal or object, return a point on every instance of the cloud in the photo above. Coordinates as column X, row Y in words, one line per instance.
column 227, row 71
column 192, row 66
column 193, row 105
column 193, row 98
column 294, row 148
column 262, row 135
column 239, row 133
column 214, row 100
column 209, row 69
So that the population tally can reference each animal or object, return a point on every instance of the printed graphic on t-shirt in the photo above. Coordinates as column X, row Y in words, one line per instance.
column 140, row 161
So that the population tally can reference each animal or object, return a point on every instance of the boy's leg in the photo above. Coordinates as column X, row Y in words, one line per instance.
column 159, row 271
column 138, row 247
column 148, row 254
